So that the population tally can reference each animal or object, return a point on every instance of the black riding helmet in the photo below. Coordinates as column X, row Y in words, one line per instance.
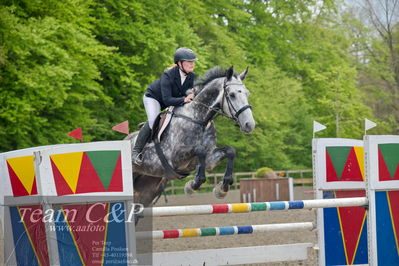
column 184, row 54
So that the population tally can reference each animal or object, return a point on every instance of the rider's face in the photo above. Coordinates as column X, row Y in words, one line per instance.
column 188, row 66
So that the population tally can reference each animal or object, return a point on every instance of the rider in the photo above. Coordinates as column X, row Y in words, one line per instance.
column 169, row 90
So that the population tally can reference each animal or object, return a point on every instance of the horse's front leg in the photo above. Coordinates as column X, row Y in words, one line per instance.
column 214, row 159
column 199, row 176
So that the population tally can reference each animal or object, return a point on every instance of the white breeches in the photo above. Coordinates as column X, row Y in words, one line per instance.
column 152, row 108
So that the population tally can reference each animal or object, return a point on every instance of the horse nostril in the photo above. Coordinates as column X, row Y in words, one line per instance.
column 248, row 127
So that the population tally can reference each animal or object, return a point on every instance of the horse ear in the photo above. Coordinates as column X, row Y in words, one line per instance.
column 229, row 73
column 244, row 73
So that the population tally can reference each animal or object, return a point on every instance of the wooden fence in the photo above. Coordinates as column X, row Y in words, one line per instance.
column 301, row 177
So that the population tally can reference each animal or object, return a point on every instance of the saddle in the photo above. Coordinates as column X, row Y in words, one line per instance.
column 161, row 123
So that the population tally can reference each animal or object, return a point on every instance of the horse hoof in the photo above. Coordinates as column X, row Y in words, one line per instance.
column 188, row 187
column 219, row 192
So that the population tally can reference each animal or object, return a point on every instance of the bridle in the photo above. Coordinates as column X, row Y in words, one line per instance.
column 230, row 104
column 218, row 108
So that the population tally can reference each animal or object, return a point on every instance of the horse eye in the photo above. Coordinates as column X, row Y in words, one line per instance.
column 232, row 95
column 239, row 91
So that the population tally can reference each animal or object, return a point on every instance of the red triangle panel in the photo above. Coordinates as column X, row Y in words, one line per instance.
column 352, row 223
column 90, row 241
column 34, row 187
column 17, row 188
column 331, row 174
column 351, row 170
column 37, row 232
column 393, row 197
column 61, row 185
column 88, row 178
column 383, row 171
column 116, row 184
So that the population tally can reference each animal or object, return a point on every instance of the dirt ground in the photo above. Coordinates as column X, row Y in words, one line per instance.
column 217, row 220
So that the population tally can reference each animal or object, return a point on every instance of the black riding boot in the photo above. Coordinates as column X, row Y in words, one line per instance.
column 141, row 140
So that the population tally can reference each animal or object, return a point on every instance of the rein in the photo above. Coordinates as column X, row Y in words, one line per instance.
column 198, row 122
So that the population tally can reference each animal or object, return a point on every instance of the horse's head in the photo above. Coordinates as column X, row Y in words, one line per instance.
column 234, row 101
column 223, row 92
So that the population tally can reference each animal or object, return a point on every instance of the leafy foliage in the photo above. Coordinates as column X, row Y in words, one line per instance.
column 75, row 63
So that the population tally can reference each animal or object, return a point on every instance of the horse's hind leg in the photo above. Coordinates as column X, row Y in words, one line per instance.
column 199, row 176
column 147, row 188
column 214, row 159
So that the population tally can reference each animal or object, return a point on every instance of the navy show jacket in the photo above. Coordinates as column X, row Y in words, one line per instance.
column 168, row 90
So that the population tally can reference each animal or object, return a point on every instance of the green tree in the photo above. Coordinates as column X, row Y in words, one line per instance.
column 145, row 36
column 87, row 64
column 48, row 72
column 374, row 26
column 309, row 45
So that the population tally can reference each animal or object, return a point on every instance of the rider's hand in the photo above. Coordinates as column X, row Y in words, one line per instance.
column 189, row 98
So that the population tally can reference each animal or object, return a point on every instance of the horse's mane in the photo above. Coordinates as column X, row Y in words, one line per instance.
column 211, row 74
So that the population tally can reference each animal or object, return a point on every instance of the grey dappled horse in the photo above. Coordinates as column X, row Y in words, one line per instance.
column 189, row 142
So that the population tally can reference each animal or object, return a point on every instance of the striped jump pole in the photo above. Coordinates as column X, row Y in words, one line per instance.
column 253, row 207
column 224, row 231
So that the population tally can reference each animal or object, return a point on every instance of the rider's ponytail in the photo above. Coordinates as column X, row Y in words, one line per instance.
column 171, row 66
